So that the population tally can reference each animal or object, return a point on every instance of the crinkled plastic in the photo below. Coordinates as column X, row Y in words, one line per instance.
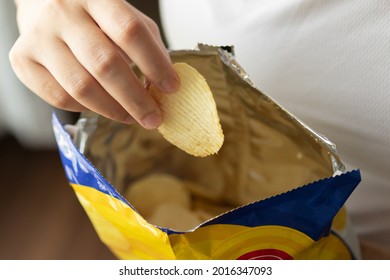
column 285, row 182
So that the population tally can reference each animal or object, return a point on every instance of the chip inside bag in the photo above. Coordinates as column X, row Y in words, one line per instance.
column 272, row 189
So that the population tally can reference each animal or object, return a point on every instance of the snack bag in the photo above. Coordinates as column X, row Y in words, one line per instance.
column 275, row 189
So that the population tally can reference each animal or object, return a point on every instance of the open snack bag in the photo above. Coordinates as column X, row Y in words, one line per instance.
column 274, row 189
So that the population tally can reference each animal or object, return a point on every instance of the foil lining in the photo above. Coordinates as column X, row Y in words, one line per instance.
column 267, row 150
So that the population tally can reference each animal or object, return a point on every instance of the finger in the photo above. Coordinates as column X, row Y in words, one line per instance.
column 79, row 84
column 39, row 80
column 153, row 27
column 123, row 24
column 156, row 33
column 100, row 58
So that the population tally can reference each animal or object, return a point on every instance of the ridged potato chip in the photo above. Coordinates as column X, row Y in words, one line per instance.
column 190, row 117
column 174, row 216
column 148, row 193
column 200, row 190
column 210, row 207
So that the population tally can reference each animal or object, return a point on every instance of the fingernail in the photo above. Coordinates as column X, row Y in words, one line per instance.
column 152, row 120
column 170, row 84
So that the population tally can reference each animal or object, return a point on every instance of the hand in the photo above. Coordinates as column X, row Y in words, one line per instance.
column 76, row 55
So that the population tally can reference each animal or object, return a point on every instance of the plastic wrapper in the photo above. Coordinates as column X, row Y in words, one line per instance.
column 275, row 190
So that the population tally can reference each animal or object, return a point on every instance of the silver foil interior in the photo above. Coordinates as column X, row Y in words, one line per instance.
column 267, row 151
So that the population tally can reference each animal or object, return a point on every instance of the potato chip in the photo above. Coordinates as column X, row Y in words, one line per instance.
column 190, row 117
column 206, row 172
column 151, row 191
column 174, row 216
column 210, row 207
column 203, row 215
column 201, row 190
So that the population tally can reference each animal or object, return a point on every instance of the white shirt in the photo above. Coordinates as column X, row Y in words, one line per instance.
column 327, row 62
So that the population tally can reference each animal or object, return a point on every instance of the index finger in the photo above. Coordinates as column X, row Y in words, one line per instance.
column 123, row 24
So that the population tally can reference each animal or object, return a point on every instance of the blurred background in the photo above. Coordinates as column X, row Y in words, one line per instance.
column 41, row 217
